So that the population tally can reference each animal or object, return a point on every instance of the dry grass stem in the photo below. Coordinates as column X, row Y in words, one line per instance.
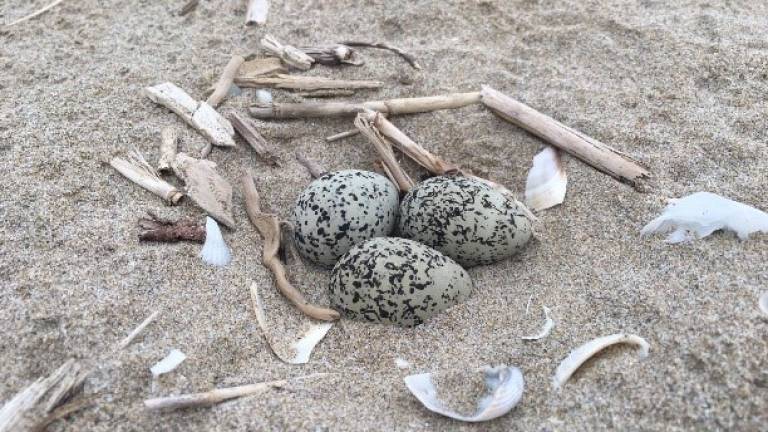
column 300, row 82
column 136, row 169
column 36, row 13
column 247, row 129
column 364, row 122
column 342, row 135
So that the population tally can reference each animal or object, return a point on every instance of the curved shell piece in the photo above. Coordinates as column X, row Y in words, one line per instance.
column 215, row 250
column 547, row 182
column 763, row 302
column 583, row 353
column 549, row 324
column 505, row 387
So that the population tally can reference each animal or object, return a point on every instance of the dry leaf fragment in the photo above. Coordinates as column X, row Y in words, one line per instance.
column 547, row 181
column 206, row 187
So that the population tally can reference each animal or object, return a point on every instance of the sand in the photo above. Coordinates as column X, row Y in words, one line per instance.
column 679, row 85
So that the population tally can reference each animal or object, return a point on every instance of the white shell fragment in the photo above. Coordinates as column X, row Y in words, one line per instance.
column 402, row 363
column 215, row 250
column 699, row 215
column 201, row 116
column 302, row 348
column 583, row 353
column 763, row 302
column 505, row 389
column 547, row 182
column 263, row 96
column 169, row 363
column 545, row 329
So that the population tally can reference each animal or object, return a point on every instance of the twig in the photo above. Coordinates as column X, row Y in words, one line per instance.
column 383, row 147
column 257, row 12
column 600, row 156
column 169, row 138
column 137, row 170
column 269, row 226
column 153, row 228
column 315, row 170
column 301, row 82
column 135, row 333
column 291, row 55
column 38, row 12
column 334, row 55
column 382, row 45
column 195, row 400
column 206, row 187
column 225, row 81
column 341, row 109
column 247, row 129
column 326, row 93
column 342, row 135
column 189, row 7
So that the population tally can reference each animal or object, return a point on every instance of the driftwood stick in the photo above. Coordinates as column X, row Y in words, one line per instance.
column 314, row 168
column 247, row 129
column 300, row 82
column 154, row 228
column 383, row 147
column 169, row 138
column 291, row 55
column 269, row 226
column 225, row 81
column 600, row 156
column 334, row 55
column 137, row 170
column 382, row 45
column 342, row 135
column 257, row 12
column 189, row 7
column 330, row 93
column 342, row 109
column 38, row 12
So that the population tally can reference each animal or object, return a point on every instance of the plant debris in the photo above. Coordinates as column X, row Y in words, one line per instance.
column 136, row 169
column 303, row 82
column 291, row 55
column 247, row 129
column 155, row 228
column 221, row 90
column 334, row 55
column 383, row 45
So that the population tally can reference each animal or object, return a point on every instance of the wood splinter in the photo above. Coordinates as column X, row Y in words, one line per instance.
column 136, row 169
column 157, row 229
column 169, row 138
column 291, row 55
column 225, row 81
column 314, row 168
column 268, row 226
column 594, row 153
column 307, row 83
column 343, row 109
column 364, row 122
column 247, row 129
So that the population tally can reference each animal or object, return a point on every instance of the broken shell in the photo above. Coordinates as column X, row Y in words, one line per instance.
column 583, row 353
column 215, row 251
column 763, row 302
column 504, row 386
column 547, row 181
column 545, row 329
column 169, row 363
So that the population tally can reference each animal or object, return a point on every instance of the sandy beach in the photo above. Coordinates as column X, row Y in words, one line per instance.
column 680, row 86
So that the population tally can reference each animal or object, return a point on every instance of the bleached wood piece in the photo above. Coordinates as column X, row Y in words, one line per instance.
column 247, row 129
column 364, row 122
column 342, row 109
column 596, row 154
column 301, row 82
column 199, row 115
column 169, row 138
column 333, row 55
column 257, row 12
column 225, row 81
column 262, row 66
column 291, row 55
column 206, row 187
column 342, row 135
column 137, row 170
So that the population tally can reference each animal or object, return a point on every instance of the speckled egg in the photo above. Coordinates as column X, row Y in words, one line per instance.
column 340, row 210
column 465, row 219
column 395, row 280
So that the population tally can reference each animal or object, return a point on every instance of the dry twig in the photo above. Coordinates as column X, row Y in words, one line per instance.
column 340, row 109
column 342, row 135
column 600, row 156
column 139, row 171
column 169, row 138
column 225, row 81
column 334, row 55
column 302, row 82
column 247, row 129
column 364, row 122
column 315, row 170
column 38, row 12
column 330, row 93
column 291, row 55
column 154, row 228
column 382, row 45
column 268, row 226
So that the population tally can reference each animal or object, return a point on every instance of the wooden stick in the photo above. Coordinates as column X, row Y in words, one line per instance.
column 225, row 81
column 189, row 7
column 247, row 129
column 38, row 12
column 257, row 12
column 342, row 135
column 154, row 228
column 333, row 55
column 315, row 170
column 382, row 45
column 326, row 93
column 137, row 170
column 300, row 82
column 341, row 109
column 135, row 333
column 395, row 172
column 291, row 55
column 269, row 226
column 169, row 138
column 600, row 156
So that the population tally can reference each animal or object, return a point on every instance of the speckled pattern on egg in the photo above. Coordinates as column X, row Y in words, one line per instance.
column 465, row 219
column 340, row 210
column 395, row 280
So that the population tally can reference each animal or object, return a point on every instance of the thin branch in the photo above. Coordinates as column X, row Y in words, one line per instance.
column 269, row 226
column 38, row 12
column 342, row 135
column 301, row 82
column 340, row 109
column 334, row 55
column 247, row 129
column 315, row 170
column 135, row 333
column 383, row 45
column 225, row 81
column 153, row 228
column 383, row 147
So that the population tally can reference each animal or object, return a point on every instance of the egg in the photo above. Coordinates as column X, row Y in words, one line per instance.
column 465, row 219
column 340, row 209
column 398, row 281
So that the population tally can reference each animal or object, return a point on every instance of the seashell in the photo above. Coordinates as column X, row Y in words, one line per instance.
column 215, row 250
column 583, row 353
column 505, row 387
column 169, row 363
column 699, row 215
column 545, row 329
column 547, row 182
column 763, row 302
